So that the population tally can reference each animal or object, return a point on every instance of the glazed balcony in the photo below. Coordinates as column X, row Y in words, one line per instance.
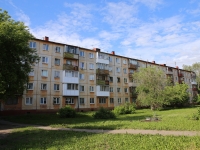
column 102, row 91
column 102, row 82
column 70, row 55
column 102, row 71
column 70, row 67
column 133, row 66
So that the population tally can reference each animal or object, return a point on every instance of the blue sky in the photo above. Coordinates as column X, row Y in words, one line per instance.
column 165, row 31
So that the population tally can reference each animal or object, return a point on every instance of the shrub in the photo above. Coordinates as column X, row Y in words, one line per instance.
column 66, row 112
column 103, row 113
column 196, row 116
column 127, row 108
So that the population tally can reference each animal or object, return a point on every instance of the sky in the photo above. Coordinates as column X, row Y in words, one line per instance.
column 164, row 31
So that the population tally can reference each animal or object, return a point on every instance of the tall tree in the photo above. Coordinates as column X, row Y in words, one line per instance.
column 196, row 68
column 151, row 84
column 16, row 57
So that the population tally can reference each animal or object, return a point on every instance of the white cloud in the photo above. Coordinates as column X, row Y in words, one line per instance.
column 152, row 4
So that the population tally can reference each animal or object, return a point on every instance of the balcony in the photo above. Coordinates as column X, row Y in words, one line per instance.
column 102, row 71
column 180, row 74
column 130, row 75
column 70, row 55
column 102, row 82
column 72, row 78
column 132, row 66
column 194, row 89
column 133, row 94
column 102, row 91
column 194, row 83
column 70, row 67
column 169, row 72
column 193, row 75
column 70, row 92
column 130, row 84
column 180, row 81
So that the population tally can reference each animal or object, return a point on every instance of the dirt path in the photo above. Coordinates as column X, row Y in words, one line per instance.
column 7, row 127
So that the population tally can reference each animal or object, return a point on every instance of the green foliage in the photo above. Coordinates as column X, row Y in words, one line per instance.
column 104, row 113
column 16, row 57
column 177, row 95
column 127, row 108
column 66, row 112
column 151, row 83
column 196, row 115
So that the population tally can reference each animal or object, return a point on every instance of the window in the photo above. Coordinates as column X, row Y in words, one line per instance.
column 111, row 79
column 32, row 44
column 57, row 61
column 91, row 100
column 43, row 86
column 91, row 55
column 82, row 65
column 131, row 71
column 69, row 100
column 56, row 87
column 44, row 59
column 30, row 86
column 57, row 74
column 119, row 101
column 29, row 101
column 44, row 73
column 12, row 101
column 43, row 100
column 118, row 79
column 91, row 66
column 82, row 101
column 118, row 89
column 125, row 80
column 56, row 100
column 111, row 89
column 81, row 76
column 111, row 100
column 82, row 53
column 126, row 100
column 91, row 77
column 31, row 73
column 71, row 74
column 117, row 60
column 57, row 49
column 45, row 47
column 125, row 71
column 72, row 86
column 102, row 100
column 69, row 62
column 82, row 88
column 110, row 68
column 124, row 62
column 118, row 69
column 91, row 88
column 110, row 59
column 126, row 90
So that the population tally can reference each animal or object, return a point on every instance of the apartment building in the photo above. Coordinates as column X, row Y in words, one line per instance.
column 83, row 78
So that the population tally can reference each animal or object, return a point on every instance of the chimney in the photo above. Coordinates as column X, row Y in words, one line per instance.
column 153, row 62
column 177, row 67
column 96, row 49
column 46, row 38
column 113, row 52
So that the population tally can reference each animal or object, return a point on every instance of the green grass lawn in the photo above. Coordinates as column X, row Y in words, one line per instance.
column 175, row 119
column 31, row 138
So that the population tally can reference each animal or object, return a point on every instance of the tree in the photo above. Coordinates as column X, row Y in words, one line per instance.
column 195, row 68
column 177, row 95
column 16, row 57
column 151, row 84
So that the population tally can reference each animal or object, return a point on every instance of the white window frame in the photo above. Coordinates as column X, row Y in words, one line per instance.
column 44, row 73
column 110, row 59
column 32, row 44
column 91, row 66
column 111, row 100
column 91, row 100
column 118, row 89
column 125, row 71
column 118, row 69
column 57, row 74
column 91, row 77
column 45, row 59
column 125, row 80
column 117, row 60
column 81, row 76
column 56, row 100
column 126, row 100
column 82, row 65
column 56, row 87
column 111, row 89
column 91, row 55
column 28, row 101
column 119, row 100
column 82, row 54
column 118, row 81
column 71, row 86
column 57, row 61
column 43, row 100
column 29, row 85
column 110, row 68
column 124, row 62
column 126, row 90
column 43, row 86
column 102, row 100
column 82, row 88
column 82, row 100
column 57, row 49
column 91, row 88
column 31, row 73
column 69, row 100
column 45, row 47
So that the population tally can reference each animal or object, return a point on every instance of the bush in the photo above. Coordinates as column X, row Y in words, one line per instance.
column 103, row 113
column 196, row 116
column 66, row 112
column 127, row 108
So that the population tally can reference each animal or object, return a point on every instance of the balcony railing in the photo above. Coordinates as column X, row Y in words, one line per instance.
column 102, row 71
column 132, row 66
column 180, row 74
column 133, row 94
column 102, row 82
column 194, row 89
column 70, row 55
column 70, row 67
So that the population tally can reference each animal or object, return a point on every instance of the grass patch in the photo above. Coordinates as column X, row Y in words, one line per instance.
column 176, row 119
column 31, row 138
